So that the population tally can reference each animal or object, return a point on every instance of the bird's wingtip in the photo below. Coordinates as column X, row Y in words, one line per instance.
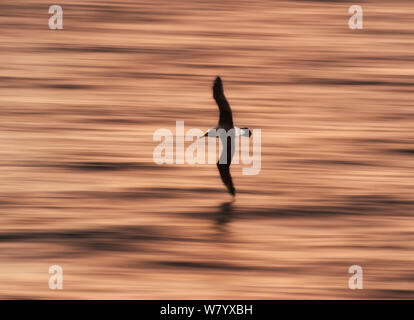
column 218, row 85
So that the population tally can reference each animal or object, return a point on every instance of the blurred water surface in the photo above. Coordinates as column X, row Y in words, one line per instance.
column 79, row 107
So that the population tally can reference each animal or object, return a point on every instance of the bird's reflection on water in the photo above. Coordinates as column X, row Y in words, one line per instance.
column 224, row 215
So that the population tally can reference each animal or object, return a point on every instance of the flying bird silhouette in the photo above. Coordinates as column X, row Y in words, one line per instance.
column 226, row 135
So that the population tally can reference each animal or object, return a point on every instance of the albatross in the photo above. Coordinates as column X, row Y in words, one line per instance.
column 226, row 124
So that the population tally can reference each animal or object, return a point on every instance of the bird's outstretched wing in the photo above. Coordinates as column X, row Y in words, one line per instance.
column 226, row 118
column 223, row 166
column 224, row 170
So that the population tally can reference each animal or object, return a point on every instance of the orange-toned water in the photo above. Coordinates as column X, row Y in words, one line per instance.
column 79, row 106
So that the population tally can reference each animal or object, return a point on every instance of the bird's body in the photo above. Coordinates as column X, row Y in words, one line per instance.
column 226, row 131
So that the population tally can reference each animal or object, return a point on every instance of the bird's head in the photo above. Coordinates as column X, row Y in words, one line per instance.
column 246, row 132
